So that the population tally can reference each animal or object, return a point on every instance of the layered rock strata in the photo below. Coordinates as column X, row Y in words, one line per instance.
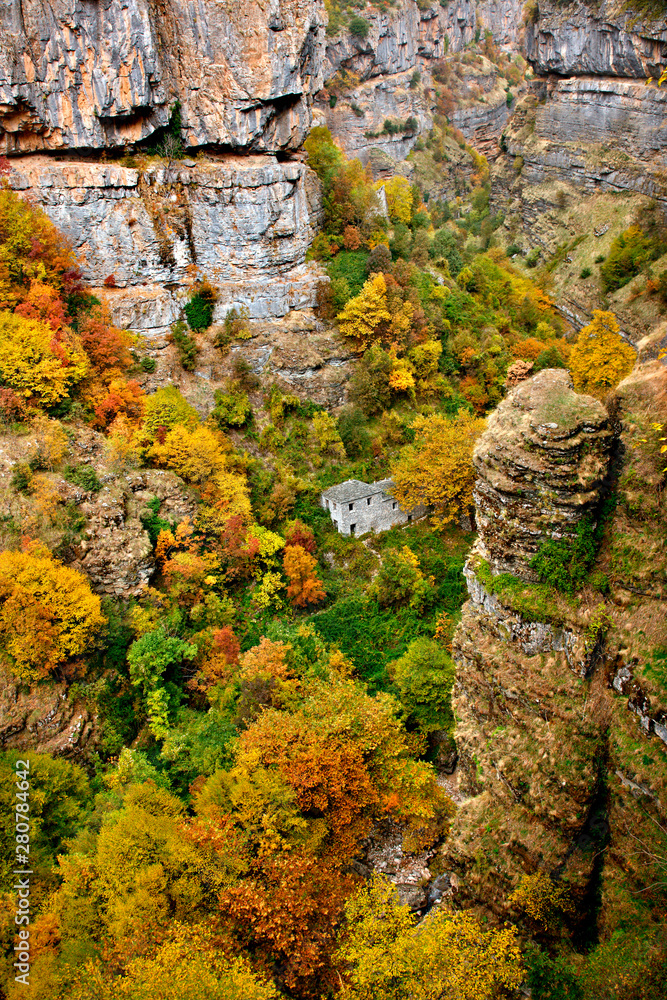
column 81, row 75
column 540, row 465
column 578, row 38
column 244, row 222
column 400, row 42
column 594, row 117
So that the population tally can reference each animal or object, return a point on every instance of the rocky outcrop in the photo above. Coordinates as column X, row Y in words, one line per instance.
column 115, row 552
column 604, row 39
column 540, row 466
column 299, row 353
column 42, row 717
column 79, row 75
column 244, row 222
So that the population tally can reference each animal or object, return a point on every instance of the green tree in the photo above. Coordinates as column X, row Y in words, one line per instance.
column 424, row 676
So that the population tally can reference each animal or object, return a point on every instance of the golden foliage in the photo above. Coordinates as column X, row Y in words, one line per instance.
column 363, row 315
column 187, row 964
column 542, row 898
column 437, row 469
column 37, row 363
column 399, row 198
column 450, row 956
column 48, row 613
column 196, row 454
column 601, row 358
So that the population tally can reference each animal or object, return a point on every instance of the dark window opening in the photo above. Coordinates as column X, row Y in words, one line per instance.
column 368, row 501
column 352, row 527
column 394, row 506
column 351, row 506
column 409, row 518
column 336, row 525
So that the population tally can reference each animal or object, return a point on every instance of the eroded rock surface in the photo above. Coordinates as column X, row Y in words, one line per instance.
column 245, row 222
column 82, row 75
column 540, row 466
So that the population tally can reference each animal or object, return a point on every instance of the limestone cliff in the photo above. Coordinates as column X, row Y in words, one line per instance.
column 592, row 118
column 245, row 222
column 95, row 76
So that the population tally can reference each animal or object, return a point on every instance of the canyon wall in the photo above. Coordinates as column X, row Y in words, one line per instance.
column 400, row 42
column 594, row 116
column 245, row 222
column 81, row 75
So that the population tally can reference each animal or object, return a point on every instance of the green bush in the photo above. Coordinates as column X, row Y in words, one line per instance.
column 585, row 272
column 358, row 27
column 533, row 257
column 565, row 563
column 232, row 409
column 83, row 476
column 349, row 265
column 153, row 524
column 415, row 79
column 549, row 358
column 21, row 481
column 424, row 676
column 148, row 364
column 354, row 434
column 628, row 254
column 185, row 342
column 199, row 310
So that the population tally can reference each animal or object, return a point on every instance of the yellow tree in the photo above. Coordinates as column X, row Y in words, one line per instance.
column 399, row 198
column 449, row 957
column 600, row 359
column 364, row 314
column 48, row 613
column 436, row 470
column 37, row 363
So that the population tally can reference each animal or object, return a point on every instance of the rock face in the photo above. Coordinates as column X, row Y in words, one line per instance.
column 95, row 76
column 579, row 39
column 590, row 119
column 399, row 42
column 245, row 222
column 558, row 735
column 116, row 553
column 540, row 465
column 42, row 717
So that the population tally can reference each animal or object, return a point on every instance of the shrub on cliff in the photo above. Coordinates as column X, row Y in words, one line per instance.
column 358, row 27
column 629, row 253
column 199, row 310
column 566, row 563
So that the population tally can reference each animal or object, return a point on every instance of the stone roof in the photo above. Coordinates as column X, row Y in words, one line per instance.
column 354, row 489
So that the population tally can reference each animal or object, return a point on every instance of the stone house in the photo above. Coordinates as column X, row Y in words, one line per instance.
column 356, row 507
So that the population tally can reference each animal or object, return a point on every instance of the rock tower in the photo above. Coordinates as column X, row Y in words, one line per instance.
column 540, row 467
